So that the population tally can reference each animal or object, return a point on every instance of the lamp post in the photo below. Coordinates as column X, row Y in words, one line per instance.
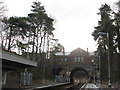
column 43, row 73
column 99, row 69
column 93, row 70
column 109, row 76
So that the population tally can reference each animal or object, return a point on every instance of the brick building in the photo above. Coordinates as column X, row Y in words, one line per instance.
column 77, row 56
column 68, row 63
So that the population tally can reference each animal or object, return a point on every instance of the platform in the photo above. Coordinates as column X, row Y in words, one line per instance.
column 46, row 86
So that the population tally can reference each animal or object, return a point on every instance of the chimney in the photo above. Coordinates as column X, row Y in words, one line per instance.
column 87, row 50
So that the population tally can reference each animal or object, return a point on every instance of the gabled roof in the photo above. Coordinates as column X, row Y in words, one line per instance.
column 78, row 50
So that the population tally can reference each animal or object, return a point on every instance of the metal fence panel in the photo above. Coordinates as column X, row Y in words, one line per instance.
column 26, row 78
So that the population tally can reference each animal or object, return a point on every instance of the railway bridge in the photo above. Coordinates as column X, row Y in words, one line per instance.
column 78, row 64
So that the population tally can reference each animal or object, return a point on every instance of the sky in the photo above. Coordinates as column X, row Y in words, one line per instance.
column 75, row 19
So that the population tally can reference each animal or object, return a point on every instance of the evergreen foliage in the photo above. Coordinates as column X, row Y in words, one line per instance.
column 108, row 24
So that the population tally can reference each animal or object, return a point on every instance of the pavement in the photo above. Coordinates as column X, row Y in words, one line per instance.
column 99, row 86
column 91, row 85
column 43, row 86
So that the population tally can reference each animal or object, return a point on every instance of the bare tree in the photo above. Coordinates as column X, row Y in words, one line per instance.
column 2, row 11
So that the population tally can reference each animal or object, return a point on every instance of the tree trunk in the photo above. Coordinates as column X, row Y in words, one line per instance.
column 44, row 44
column 33, row 44
column 47, row 47
column 36, row 56
column 6, row 41
column 9, row 46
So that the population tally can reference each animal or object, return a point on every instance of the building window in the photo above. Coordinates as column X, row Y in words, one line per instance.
column 60, row 59
column 82, row 59
column 65, row 59
column 75, row 59
column 78, row 59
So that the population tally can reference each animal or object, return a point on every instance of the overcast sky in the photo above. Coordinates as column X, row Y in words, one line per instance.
column 75, row 19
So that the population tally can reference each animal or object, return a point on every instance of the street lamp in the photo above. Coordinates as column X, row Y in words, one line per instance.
column 99, row 68
column 94, row 70
column 109, row 76
column 43, row 73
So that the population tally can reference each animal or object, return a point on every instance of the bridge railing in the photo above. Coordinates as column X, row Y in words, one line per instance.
column 61, row 78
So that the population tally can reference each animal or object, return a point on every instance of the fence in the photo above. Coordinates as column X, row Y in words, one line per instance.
column 26, row 78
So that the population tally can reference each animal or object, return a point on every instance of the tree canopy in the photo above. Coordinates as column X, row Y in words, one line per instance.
column 32, row 34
